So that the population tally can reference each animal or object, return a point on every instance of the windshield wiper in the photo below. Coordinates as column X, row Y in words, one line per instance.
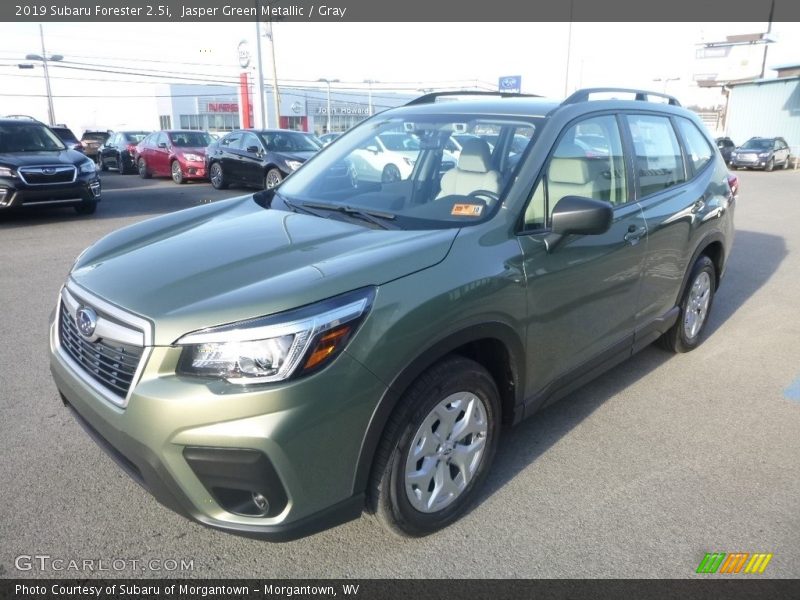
column 375, row 217
column 299, row 208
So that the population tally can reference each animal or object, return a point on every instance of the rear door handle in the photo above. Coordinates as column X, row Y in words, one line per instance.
column 698, row 205
column 634, row 233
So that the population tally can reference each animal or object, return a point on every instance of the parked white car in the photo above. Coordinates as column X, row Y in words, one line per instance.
column 390, row 157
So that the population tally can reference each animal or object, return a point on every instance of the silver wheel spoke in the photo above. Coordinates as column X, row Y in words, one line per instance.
column 446, row 452
column 697, row 305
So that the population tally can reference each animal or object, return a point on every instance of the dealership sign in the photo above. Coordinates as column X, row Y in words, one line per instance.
column 243, row 51
column 344, row 110
column 212, row 106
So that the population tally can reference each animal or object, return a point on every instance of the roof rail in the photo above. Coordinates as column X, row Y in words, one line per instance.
column 432, row 97
column 583, row 95
column 27, row 117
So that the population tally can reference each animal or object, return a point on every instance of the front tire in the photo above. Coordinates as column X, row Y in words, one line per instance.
column 87, row 207
column 437, row 449
column 177, row 173
column 390, row 174
column 217, row 177
column 143, row 172
column 686, row 333
column 272, row 178
column 770, row 164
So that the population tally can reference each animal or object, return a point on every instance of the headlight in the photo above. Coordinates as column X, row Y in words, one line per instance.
column 7, row 172
column 294, row 164
column 193, row 157
column 763, row 154
column 87, row 167
column 274, row 348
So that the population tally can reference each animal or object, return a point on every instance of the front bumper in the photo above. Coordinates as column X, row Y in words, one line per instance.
column 308, row 432
column 755, row 163
column 194, row 169
column 14, row 193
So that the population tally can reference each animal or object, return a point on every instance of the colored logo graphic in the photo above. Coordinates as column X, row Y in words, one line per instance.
column 738, row 562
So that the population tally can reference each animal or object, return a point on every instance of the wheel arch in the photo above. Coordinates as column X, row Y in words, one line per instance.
column 713, row 246
column 496, row 346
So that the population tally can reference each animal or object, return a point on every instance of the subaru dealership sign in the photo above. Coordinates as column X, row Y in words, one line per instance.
column 511, row 84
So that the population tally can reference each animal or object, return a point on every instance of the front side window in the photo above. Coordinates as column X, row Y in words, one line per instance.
column 232, row 140
column 697, row 146
column 587, row 162
column 659, row 161
column 251, row 141
column 423, row 171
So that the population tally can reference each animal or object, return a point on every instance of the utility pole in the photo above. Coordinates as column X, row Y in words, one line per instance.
column 51, row 115
column 569, row 51
column 260, row 68
column 766, row 46
column 275, row 93
column 369, row 93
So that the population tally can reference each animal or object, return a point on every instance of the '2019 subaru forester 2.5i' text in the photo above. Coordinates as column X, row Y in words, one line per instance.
column 276, row 363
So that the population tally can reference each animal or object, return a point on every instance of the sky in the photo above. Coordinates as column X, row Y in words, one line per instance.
column 402, row 56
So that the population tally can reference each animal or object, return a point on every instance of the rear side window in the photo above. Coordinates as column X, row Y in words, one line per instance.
column 697, row 146
column 659, row 162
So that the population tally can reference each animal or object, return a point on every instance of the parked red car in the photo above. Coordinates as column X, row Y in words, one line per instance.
column 178, row 154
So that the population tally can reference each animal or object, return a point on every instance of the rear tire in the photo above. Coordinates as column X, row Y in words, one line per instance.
column 437, row 449
column 101, row 164
column 787, row 163
column 698, row 297
column 143, row 172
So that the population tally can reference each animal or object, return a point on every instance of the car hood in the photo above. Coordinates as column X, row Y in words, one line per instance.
column 54, row 157
column 201, row 150
column 233, row 260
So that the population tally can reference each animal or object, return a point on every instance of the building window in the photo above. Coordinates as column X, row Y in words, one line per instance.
column 165, row 122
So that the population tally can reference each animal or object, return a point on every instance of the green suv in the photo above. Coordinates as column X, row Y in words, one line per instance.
column 275, row 364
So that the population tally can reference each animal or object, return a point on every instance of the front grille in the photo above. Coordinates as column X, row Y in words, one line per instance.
column 48, row 174
column 110, row 363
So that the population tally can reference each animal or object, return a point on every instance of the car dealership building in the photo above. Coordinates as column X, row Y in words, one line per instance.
column 219, row 108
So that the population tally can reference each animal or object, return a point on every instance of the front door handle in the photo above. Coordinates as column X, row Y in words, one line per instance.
column 634, row 234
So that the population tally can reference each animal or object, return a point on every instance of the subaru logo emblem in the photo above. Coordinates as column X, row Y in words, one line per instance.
column 86, row 320
column 48, row 170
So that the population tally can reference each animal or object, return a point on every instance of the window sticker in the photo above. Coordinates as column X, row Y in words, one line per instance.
column 467, row 210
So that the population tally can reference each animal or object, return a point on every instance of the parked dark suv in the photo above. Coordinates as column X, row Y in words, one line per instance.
column 276, row 363
column 726, row 147
column 762, row 153
column 36, row 168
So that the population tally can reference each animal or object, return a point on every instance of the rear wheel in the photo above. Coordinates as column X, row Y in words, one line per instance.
column 695, row 307
column 273, row 178
column 177, row 173
column 437, row 448
column 101, row 164
column 787, row 163
column 390, row 174
column 217, row 177
column 143, row 172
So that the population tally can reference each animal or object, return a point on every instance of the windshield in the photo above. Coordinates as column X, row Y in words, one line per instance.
column 757, row 145
column 402, row 169
column 190, row 139
column 288, row 141
column 29, row 137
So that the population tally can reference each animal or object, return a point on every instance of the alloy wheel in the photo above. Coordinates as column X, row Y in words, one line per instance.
column 697, row 305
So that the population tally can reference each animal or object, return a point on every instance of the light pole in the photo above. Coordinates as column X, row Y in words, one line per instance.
column 369, row 93
column 44, row 59
column 666, row 81
column 329, row 82
column 275, row 94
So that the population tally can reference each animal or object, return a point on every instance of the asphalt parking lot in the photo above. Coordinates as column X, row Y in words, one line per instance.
column 638, row 474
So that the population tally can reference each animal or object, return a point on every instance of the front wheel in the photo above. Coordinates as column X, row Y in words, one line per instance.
column 437, row 448
column 390, row 174
column 143, row 172
column 695, row 307
column 273, row 178
column 177, row 173
column 87, row 207
column 770, row 164
column 217, row 177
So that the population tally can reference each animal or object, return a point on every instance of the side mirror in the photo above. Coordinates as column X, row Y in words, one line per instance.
column 162, row 144
column 373, row 149
column 579, row 216
column 252, row 149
